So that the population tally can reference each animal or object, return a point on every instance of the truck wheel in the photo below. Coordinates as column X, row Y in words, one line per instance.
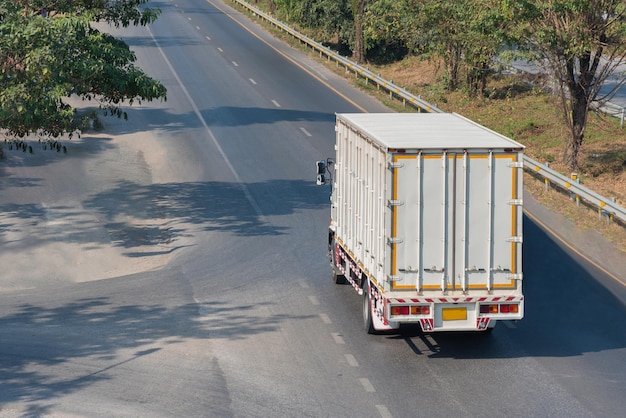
column 367, row 310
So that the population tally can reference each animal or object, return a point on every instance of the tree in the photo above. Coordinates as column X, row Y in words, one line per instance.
column 581, row 43
column 49, row 51
column 388, row 26
column 331, row 19
column 466, row 35
column 443, row 35
column 358, row 11
column 486, row 30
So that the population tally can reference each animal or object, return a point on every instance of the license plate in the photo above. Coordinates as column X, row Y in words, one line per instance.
column 454, row 314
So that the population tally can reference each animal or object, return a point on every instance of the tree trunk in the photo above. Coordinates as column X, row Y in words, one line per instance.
column 453, row 64
column 579, row 121
column 579, row 88
column 359, row 39
column 477, row 79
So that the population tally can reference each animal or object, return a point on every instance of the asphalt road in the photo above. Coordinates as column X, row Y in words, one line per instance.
column 175, row 265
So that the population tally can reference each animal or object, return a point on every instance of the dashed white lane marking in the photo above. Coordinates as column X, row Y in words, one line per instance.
column 252, row 81
column 220, row 49
column 210, row 134
column 235, row 64
column 303, row 284
column 509, row 324
column 276, row 103
column 338, row 338
column 314, row 300
column 304, row 131
column 383, row 411
column 208, row 38
column 325, row 319
column 189, row 19
column 367, row 385
column 352, row 360
column 198, row 27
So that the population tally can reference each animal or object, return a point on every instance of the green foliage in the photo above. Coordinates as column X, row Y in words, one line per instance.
column 466, row 35
column 48, row 55
column 331, row 19
column 386, row 27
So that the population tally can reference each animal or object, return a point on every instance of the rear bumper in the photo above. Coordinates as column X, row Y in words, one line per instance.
column 477, row 315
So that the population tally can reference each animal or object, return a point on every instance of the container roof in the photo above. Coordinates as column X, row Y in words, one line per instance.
column 426, row 131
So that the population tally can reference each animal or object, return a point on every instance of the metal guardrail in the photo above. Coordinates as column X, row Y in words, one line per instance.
column 606, row 207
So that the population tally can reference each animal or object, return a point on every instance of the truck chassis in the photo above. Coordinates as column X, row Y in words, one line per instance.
column 385, row 313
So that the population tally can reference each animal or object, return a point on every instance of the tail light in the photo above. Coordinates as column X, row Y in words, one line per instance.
column 410, row 310
column 509, row 308
column 420, row 310
column 485, row 309
column 399, row 310
column 494, row 308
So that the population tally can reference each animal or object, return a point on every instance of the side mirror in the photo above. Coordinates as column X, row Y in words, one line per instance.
column 321, row 167
column 321, row 172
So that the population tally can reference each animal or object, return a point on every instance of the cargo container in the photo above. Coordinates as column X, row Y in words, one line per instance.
column 426, row 220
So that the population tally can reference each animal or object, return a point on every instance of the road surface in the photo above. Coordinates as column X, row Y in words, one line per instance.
column 175, row 265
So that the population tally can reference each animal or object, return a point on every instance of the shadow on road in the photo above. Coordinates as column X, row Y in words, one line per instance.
column 135, row 215
column 89, row 145
column 49, row 352
column 568, row 312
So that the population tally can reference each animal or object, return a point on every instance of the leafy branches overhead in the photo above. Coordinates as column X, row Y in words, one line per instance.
column 49, row 51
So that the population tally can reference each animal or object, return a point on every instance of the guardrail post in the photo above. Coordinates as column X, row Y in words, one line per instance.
column 608, row 215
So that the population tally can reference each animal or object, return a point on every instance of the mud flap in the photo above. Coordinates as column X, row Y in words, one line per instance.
column 373, row 318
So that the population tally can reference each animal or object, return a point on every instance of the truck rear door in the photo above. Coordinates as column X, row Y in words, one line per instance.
column 456, row 220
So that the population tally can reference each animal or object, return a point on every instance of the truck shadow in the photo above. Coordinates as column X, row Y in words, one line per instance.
column 571, row 309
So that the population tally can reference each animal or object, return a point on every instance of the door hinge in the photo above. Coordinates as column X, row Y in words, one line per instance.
column 392, row 203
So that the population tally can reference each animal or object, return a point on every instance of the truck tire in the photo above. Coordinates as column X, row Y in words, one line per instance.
column 367, row 311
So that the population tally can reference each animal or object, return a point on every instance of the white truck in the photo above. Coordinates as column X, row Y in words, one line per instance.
column 426, row 220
